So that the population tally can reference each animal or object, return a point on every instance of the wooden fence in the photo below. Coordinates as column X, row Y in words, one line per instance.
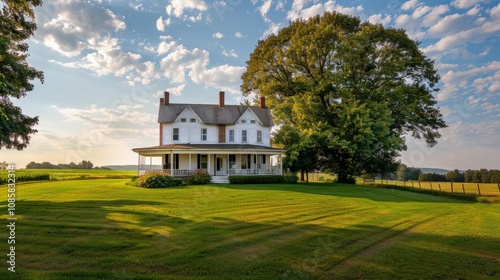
column 472, row 188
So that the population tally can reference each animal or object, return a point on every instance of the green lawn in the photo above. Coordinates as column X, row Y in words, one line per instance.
column 104, row 229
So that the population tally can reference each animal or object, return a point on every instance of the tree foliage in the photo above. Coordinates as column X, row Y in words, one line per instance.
column 355, row 88
column 407, row 173
column 16, row 25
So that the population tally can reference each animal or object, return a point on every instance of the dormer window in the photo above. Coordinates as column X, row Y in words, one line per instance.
column 183, row 119
column 252, row 121
column 192, row 120
column 243, row 121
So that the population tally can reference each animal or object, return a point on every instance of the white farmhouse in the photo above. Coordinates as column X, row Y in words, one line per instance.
column 220, row 139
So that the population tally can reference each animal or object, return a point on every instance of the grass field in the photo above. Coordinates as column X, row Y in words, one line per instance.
column 105, row 229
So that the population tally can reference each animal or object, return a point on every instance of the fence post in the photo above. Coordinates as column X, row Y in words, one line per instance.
column 439, row 185
column 421, row 186
column 463, row 189
column 451, row 186
column 431, row 184
column 478, row 189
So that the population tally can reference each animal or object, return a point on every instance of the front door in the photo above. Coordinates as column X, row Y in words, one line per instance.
column 219, row 166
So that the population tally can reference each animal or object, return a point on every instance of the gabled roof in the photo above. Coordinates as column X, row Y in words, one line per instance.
column 213, row 114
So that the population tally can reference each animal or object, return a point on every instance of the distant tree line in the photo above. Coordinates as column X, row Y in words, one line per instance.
column 405, row 173
column 84, row 164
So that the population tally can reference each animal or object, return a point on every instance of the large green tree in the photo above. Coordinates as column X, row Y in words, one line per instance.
column 16, row 26
column 357, row 88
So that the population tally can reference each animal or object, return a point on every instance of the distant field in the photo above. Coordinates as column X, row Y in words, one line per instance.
column 61, row 174
column 105, row 229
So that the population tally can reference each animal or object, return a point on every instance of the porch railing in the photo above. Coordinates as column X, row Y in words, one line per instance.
column 189, row 172
column 274, row 171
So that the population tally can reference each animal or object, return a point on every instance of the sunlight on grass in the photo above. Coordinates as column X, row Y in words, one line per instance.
column 91, row 228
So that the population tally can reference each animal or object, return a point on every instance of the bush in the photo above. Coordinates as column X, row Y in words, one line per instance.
column 200, row 178
column 265, row 179
column 290, row 179
column 157, row 179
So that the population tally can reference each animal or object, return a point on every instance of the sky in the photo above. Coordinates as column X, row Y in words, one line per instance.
column 106, row 64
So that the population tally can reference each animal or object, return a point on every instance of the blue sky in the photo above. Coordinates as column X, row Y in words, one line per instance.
column 106, row 63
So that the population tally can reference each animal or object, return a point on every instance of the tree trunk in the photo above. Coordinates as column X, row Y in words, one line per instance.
column 302, row 175
column 307, row 176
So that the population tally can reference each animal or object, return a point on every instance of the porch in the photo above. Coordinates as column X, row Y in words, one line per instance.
column 217, row 160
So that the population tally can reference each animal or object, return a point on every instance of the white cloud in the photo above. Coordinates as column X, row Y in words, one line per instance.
column 408, row 5
column 299, row 9
column 264, row 9
column 177, row 7
column 176, row 90
column 273, row 28
column 238, row 35
column 218, row 35
column 182, row 63
column 161, row 24
column 464, row 4
column 164, row 47
column 378, row 18
column 485, row 80
column 72, row 25
column 231, row 53
column 105, row 118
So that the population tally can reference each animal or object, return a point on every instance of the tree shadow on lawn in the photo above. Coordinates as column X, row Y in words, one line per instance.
column 345, row 190
column 132, row 241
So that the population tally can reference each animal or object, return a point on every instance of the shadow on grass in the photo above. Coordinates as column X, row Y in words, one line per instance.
column 346, row 190
column 129, row 239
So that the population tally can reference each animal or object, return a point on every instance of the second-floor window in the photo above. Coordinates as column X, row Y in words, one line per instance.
column 183, row 119
column 203, row 134
column 175, row 134
column 192, row 120
column 231, row 135
column 243, row 136
column 259, row 136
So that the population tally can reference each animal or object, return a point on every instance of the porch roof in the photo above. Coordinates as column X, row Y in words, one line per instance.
column 207, row 148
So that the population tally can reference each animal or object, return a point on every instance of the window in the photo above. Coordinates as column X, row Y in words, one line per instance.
column 183, row 119
column 175, row 135
column 203, row 134
column 202, row 161
column 232, row 161
column 243, row 121
column 259, row 136
column 192, row 120
column 243, row 136
column 231, row 135
column 252, row 121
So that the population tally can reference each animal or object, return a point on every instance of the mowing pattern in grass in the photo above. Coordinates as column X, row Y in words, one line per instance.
column 103, row 229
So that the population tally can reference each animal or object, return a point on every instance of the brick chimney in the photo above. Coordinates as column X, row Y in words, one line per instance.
column 221, row 99
column 166, row 98
column 262, row 101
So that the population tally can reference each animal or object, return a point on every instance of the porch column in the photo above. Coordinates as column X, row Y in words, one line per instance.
column 171, row 163
column 190, row 162
column 280, row 162
column 138, row 164
column 208, row 163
